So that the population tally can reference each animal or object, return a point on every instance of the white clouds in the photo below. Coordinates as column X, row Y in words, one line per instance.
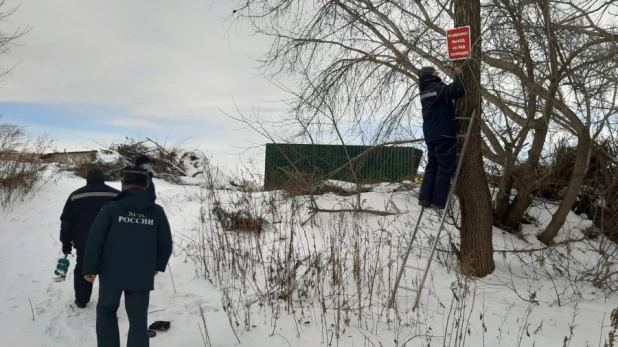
column 159, row 59
column 131, row 123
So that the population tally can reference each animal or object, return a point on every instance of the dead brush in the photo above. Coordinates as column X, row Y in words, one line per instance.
column 20, row 167
column 239, row 220
column 611, row 336
column 305, row 184
column 170, row 162
column 111, row 171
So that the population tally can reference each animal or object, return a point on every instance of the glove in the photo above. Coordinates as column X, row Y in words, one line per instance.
column 67, row 248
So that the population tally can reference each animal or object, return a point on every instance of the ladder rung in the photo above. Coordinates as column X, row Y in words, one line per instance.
column 408, row 289
column 414, row 267
column 463, row 118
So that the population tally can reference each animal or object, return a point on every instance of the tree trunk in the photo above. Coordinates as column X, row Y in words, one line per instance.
column 503, row 198
column 575, row 183
column 472, row 188
column 528, row 176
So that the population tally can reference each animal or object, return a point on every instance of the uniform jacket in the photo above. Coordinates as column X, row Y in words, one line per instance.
column 80, row 210
column 128, row 242
column 438, row 110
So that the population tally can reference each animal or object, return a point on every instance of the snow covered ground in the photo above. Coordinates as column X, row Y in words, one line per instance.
column 338, row 268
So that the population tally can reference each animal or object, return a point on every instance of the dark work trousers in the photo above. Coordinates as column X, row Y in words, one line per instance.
column 441, row 165
column 83, row 288
column 136, row 304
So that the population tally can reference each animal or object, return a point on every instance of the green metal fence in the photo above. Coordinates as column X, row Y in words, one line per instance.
column 370, row 164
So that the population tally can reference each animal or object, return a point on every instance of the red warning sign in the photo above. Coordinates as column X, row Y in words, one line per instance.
column 458, row 43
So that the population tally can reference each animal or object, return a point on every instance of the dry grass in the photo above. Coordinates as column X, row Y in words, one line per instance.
column 20, row 167
column 337, row 271
column 239, row 220
column 304, row 184
column 611, row 338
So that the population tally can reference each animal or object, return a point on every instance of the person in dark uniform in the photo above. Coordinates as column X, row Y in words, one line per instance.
column 143, row 162
column 440, row 131
column 80, row 210
column 130, row 242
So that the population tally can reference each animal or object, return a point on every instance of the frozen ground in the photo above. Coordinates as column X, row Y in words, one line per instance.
column 342, row 268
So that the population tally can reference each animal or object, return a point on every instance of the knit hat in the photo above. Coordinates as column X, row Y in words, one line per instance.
column 95, row 175
column 135, row 176
column 426, row 71
column 142, row 159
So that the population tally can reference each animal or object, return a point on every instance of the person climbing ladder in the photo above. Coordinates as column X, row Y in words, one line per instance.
column 440, row 131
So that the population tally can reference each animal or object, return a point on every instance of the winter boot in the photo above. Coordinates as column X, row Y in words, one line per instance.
column 160, row 325
column 424, row 203
column 79, row 305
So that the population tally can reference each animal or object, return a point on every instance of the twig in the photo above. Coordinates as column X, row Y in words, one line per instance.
column 352, row 210
column 201, row 333
column 601, row 334
column 542, row 248
column 172, row 276
column 205, row 327
column 157, row 311
column 31, row 309
column 52, row 236
column 229, row 317
column 283, row 337
column 164, row 159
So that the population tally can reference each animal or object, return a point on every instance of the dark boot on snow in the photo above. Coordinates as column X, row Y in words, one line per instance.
column 424, row 203
column 160, row 326
column 79, row 305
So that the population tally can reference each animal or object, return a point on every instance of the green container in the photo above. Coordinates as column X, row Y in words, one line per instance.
column 379, row 164
column 62, row 268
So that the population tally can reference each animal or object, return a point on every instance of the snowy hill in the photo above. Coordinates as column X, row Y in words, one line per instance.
column 310, row 280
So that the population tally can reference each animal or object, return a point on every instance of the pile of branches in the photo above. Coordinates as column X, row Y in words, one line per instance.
column 598, row 198
column 555, row 174
column 306, row 184
column 111, row 170
column 167, row 161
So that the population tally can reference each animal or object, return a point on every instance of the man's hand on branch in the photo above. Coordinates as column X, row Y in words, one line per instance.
column 457, row 70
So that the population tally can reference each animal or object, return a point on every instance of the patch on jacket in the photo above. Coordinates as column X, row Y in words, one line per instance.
column 136, row 218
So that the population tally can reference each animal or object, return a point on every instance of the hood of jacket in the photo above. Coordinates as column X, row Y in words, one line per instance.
column 136, row 199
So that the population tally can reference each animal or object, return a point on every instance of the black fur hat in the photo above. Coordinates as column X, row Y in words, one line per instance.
column 135, row 176
column 142, row 159
column 95, row 175
column 427, row 71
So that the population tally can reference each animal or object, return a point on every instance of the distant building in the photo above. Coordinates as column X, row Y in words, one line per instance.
column 66, row 157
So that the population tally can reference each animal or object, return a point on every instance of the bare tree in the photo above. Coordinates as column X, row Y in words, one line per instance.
column 546, row 66
column 8, row 39
column 19, row 171
column 476, row 255
column 560, row 58
column 20, row 168
column 359, row 61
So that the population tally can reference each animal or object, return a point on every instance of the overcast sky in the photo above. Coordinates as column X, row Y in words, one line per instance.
column 107, row 69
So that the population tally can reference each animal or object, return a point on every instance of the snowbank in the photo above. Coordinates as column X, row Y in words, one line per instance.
column 311, row 280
